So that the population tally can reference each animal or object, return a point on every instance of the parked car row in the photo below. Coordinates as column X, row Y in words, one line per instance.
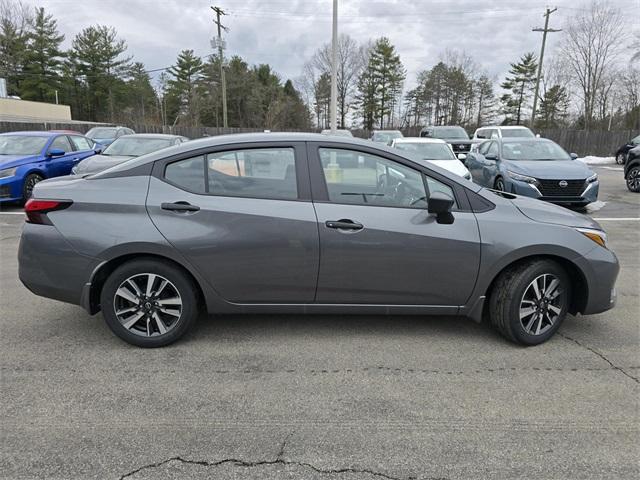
column 27, row 158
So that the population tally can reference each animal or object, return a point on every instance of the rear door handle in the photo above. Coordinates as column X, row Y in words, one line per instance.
column 344, row 224
column 180, row 207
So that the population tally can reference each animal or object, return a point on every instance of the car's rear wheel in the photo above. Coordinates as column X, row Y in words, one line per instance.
column 499, row 185
column 30, row 182
column 620, row 158
column 149, row 303
column 633, row 179
column 529, row 301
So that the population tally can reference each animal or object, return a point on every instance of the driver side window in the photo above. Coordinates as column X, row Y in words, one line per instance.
column 363, row 179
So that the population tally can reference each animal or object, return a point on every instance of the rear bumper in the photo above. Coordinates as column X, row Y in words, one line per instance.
column 49, row 266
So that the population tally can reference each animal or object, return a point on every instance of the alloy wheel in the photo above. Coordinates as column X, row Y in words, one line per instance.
column 500, row 185
column 633, row 179
column 542, row 303
column 147, row 305
column 29, row 183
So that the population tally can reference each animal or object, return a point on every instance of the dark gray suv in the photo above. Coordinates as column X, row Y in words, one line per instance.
column 306, row 223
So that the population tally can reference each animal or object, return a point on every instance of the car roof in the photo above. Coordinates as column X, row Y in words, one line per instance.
column 418, row 140
column 521, row 140
column 152, row 135
column 34, row 133
column 504, row 127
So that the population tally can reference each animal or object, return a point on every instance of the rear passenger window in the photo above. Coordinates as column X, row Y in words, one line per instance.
column 253, row 173
column 187, row 174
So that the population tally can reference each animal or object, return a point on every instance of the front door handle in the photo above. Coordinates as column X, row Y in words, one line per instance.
column 180, row 207
column 344, row 224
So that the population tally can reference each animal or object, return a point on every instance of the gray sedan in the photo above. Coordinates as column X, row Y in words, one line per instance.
column 306, row 223
column 125, row 148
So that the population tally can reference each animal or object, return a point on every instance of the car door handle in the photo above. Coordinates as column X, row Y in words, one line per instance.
column 344, row 224
column 180, row 207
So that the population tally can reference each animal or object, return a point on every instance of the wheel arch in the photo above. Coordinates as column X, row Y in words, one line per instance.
column 102, row 272
column 579, row 291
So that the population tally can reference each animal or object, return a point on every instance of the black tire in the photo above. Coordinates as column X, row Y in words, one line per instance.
column 509, row 291
column 621, row 158
column 177, row 279
column 499, row 185
column 633, row 179
column 30, row 182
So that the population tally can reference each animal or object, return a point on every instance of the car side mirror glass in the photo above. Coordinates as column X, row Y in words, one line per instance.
column 441, row 204
column 573, row 156
column 55, row 152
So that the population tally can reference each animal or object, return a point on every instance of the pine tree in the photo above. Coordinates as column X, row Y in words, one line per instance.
column 14, row 22
column 389, row 75
column 486, row 101
column 43, row 60
column 553, row 107
column 519, row 85
column 183, row 100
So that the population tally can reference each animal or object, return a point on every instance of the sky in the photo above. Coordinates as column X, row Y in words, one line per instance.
column 285, row 33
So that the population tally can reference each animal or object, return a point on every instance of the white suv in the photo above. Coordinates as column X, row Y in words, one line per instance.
column 502, row 132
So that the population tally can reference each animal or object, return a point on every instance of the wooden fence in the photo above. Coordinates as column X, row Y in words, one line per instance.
column 599, row 143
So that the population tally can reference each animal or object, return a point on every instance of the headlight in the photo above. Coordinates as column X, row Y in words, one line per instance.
column 8, row 172
column 522, row 178
column 592, row 178
column 597, row 236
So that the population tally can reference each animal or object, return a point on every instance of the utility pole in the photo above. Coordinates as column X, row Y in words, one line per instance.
column 223, row 82
column 544, row 31
column 334, row 70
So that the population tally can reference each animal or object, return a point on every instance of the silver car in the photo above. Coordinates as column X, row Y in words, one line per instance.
column 306, row 223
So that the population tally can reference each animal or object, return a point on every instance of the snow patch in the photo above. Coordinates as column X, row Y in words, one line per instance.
column 592, row 160
column 595, row 206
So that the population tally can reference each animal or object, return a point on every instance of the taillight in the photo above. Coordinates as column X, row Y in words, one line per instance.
column 37, row 210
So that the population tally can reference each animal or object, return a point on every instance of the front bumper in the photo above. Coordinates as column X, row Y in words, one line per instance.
column 600, row 267
column 11, row 189
column 588, row 195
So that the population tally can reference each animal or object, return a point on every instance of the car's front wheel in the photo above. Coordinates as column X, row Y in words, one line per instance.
column 30, row 181
column 529, row 301
column 633, row 179
column 499, row 185
column 149, row 303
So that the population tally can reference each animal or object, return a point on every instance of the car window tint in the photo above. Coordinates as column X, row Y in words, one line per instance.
column 61, row 143
column 187, row 174
column 360, row 178
column 80, row 143
column 254, row 173
column 434, row 185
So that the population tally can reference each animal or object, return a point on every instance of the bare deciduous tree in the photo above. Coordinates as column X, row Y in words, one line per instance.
column 592, row 44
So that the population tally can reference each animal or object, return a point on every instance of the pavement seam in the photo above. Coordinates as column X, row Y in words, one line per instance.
column 601, row 355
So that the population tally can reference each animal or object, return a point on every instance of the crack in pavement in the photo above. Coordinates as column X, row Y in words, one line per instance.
column 599, row 354
column 279, row 460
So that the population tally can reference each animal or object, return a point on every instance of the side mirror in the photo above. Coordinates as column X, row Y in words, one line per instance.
column 55, row 152
column 440, row 203
column 98, row 148
column 462, row 157
column 491, row 156
column 573, row 156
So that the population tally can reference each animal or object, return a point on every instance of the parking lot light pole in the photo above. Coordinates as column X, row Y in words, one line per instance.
column 334, row 70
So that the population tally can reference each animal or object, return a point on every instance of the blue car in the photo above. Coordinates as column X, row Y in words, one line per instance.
column 29, row 157
column 534, row 167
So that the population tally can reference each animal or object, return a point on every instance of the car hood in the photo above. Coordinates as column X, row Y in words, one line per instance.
column 551, row 169
column 545, row 212
column 97, row 163
column 10, row 161
column 454, row 166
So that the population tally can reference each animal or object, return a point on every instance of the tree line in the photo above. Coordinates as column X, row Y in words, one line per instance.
column 586, row 83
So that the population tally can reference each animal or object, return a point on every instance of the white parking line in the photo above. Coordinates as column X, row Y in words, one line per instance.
column 11, row 213
column 617, row 219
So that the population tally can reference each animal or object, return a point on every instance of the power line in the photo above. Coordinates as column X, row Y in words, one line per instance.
column 544, row 31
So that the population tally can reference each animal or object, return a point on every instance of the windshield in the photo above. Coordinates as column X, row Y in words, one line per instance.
column 386, row 136
column 102, row 132
column 544, row 150
column 517, row 132
column 135, row 147
column 21, row 144
column 428, row 151
column 450, row 132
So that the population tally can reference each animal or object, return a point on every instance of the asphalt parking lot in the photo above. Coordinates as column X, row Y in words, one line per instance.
column 319, row 397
